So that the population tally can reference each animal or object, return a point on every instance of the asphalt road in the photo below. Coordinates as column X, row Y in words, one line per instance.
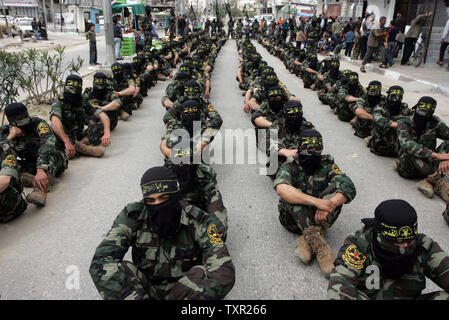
column 37, row 249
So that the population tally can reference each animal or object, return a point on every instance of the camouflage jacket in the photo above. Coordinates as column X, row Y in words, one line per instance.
column 420, row 146
column 8, row 165
column 349, row 277
column 343, row 93
column 364, row 125
column 382, row 118
column 286, row 140
column 259, row 93
column 194, row 256
column 327, row 180
column 91, row 106
column 329, row 80
column 36, row 146
column 173, row 92
column 313, row 33
column 210, row 118
column 72, row 118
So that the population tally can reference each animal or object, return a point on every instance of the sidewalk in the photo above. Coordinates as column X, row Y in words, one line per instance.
column 434, row 77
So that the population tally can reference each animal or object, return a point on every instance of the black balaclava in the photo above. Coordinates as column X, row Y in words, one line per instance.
column 185, row 172
column 353, row 82
column 127, row 69
column 186, row 67
column 17, row 115
column 314, row 22
column 137, row 65
column 275, row 100
column 181, row 78
column 72, row 90
column 163, row 218
column 302, row 55
column 270, row 79
column 293, row 115
column 310, row 148
column 395, row 221
column 394, row 99
column 192, row 90
column 424, row 111
column 374, row 93
column 313, row 60
column 99, row 86
column 117, row 72
column 190, row 112
column 334, row 68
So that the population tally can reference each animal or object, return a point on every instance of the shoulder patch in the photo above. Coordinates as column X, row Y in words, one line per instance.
column 214, row 236
column 133, row 209
column 43, row 128
column 336, row 169
column 211, row 107
column 10, row 161
column 354, row 257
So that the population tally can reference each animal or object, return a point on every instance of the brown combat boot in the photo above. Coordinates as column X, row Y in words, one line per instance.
column 303, row 250
column 440, row 186
column 27, row 179
column 38, row 196
column 124, row 115
column 426, row 188
column 322, row 250
column 313, row 86
column 353, row 121
column 161, row 77
column 368, row 140
column 86, row 150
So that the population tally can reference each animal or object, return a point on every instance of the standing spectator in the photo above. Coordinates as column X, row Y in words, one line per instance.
column 336, row 30
column 444, row 43
column 285, row 28
column 300, row 37
column 292, row 30
column 391, row 44
column 376, row 43
column 358, row 24
column 356, row 50
column 365, row 33
column 349, row 40
column 35, row 27
column 323, row 22
column 117, row 37
column 42, row 29
column 412, row 36
column 400, row 23
column 91, row 36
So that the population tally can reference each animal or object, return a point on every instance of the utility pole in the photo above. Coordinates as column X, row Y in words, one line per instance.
column 8, row 31
column 53, row 14
column 60, row 10
column 45, row 13
column 108, row 32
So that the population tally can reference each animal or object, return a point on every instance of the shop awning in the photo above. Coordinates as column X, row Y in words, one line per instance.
column 137, row 8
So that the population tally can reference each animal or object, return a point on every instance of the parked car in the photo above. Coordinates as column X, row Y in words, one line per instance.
column 12, row 25
column 25, row 28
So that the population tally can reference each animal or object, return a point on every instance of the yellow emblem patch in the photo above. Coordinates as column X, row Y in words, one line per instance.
column 211, row 108
column 43, row 128
column 214, row 236
column 354, row 258
column 336, row 169
column 11, row 161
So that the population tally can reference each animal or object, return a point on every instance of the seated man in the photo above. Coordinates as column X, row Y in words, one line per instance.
column 331, row 86
column 419, row 156
column 325, row 80
column 348, row 95
column 175, row 89
column 386, row 116
column 40, row 158
column 391, row 247
column 364, row 107
column 67, row 118
column 297, row 64
column 124, row 88
column 99, row 97
column 177, row 251
column 310, row 71
column 12, row 203
column 312, row 190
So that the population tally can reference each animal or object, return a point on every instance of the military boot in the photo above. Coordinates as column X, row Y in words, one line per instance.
column 161, row 77
column 353, row 121
column 86, row 150
column 426, row 188
column 320, row 247
column 303, row 250
column 27, row 179
column 313, row 86
column 368, row 140
column 440, row 186
column 38, row 196
column 124, row 115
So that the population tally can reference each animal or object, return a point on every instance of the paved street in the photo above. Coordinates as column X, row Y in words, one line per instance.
column 37, row 248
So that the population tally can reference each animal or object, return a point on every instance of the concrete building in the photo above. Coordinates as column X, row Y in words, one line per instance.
column 341, row 8
column 279, row 8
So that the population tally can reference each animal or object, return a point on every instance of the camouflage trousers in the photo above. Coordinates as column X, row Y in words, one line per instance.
column 57, row 163
column 308, row 79
column 312, row 45
column 411, row 167
column 384, row 143
column 127, row 104
column 296, row 218
column 94, row 132
column 363, row 128
column 356, row 50
column 344, row 112
column 145, row 83
column 435, row 295
column 12, row 203
column 139, row 287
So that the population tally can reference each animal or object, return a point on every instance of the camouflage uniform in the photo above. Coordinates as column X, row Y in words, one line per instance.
column 331, row 96
column 126, row 101
column 147, row 27
column 344, row 108
column 415, row 150
column 384, row 139
column 349, row 277
column 356, row 49
column 326, row 182
column 12, row 203
column 231, row 29
column 91, row 104
column 172, row 26
column 36, row 149
column 363, row 126
column 329, row 80
column 193, row 264
column 308, row 78
column 313, row 35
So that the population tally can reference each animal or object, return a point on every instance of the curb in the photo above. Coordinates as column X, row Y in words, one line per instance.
column 4, row 46
column 398, row 76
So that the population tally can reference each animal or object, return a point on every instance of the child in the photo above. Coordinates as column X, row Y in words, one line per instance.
column 91, row 36
column 349, row 40
column 357, row 43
